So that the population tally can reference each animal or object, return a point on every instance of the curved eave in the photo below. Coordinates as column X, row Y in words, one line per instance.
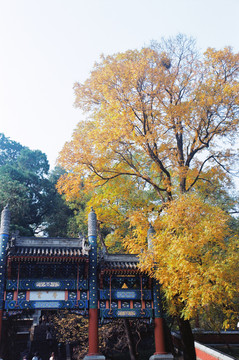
column 20, row 258
column 119, row 271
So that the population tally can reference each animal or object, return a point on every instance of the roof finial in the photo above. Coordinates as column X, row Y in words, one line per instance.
column 150, row 234
column 5, row 221
column 92, row 223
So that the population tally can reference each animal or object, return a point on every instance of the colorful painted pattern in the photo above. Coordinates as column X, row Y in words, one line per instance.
column 156, row 298
column 3, row 247
column 126, row 313
column 28, row 284
column 43, row 304
column 93, row 288
column 122, row 294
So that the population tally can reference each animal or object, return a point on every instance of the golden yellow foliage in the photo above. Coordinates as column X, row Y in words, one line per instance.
column 154, row 114
column 193, row 256
column 72, row 328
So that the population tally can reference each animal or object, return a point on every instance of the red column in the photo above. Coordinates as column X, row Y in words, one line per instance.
column 93, row 332
column 159, row 336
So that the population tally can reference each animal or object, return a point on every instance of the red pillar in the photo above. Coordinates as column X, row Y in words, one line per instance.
column 93, row 332
column 159, row 336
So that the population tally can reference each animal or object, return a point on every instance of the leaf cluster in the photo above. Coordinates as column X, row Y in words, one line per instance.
column 193, row 255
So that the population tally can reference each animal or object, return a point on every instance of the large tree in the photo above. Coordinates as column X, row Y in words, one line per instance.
column 163, row 119
column 23, row 184
column 29, row 190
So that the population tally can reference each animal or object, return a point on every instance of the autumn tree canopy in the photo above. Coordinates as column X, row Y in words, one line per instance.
column 161, row 123
column 160, row 115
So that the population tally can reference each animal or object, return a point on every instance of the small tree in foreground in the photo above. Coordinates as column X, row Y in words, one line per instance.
column 72, row 328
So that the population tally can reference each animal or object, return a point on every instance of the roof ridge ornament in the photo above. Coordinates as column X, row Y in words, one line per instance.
column 85, row 248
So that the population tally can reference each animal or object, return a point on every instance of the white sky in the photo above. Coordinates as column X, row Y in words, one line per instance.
column 47, row 45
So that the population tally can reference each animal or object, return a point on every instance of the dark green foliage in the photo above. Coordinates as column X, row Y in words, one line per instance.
column 9, row 150
column 60, row 220
column 29, row 190
column 33, row 162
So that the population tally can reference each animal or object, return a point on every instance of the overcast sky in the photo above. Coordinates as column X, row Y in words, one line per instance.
column 47, row 45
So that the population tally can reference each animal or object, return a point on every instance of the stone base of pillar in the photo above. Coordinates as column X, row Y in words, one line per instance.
column 94, row 357
column 161, row 357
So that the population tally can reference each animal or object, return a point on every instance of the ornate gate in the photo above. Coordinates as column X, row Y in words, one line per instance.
column 52, row 273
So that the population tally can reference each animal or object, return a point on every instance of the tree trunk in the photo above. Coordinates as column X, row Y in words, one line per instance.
column 130, row 340
column 187, row 339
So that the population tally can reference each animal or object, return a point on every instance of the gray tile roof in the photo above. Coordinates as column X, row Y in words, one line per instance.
column 57, row 248
column 119, row 262
column 49, row 247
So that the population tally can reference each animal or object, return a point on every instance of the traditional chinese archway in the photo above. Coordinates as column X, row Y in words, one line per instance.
column 52, row 273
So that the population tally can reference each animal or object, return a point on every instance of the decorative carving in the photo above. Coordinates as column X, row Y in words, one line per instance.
column 85, row 248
